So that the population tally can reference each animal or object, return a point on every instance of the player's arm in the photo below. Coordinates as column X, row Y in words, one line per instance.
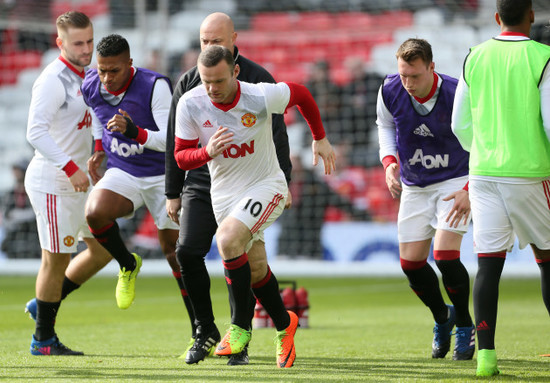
column 47, row 98
column 461, row 120
column 94, row 162
column 174, row 175
column 160, row 106
column 545, row 100
column 280, row 136
column 302, row 98
column 388, row 145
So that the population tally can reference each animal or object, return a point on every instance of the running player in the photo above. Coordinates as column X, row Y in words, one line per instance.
column 197, row 221
column 502, row 117
column 130, row 109
column 232, row 120
column 414, row 124
column 59, row 130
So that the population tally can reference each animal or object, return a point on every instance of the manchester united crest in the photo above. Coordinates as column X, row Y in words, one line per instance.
column 248, row 120
column 68, row 240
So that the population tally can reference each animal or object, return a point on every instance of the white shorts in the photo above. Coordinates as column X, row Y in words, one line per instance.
column 140, row 190
column 422, row 211
column 60, row 219
column 258, row 208
column 502, row 210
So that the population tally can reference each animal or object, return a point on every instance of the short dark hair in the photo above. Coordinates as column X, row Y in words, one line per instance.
column 413, row 49
column 214, row 54
column 72, row 19
column 513, row 12
column 112, row 45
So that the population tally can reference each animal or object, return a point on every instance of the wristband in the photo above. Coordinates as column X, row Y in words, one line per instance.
column 131, row 129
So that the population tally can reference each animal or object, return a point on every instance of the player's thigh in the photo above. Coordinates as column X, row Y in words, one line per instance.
column 197, row 222
column 126, row 186
column 417, row 220
column 60, row 220
column 528, row 207
column 152, row 193
column 493, row 231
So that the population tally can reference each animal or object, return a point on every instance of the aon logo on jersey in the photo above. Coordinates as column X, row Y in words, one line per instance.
column 236, row 151
column 125, row 150
column 429, row 161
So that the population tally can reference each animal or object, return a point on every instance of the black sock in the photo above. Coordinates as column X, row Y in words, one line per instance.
column 46, row 312
column 197, row 285
column 544, row 268
column 68, row 287
column 423, row 281
column 457, row 284
column 237, row 277
column 267, row 292
column 486, row 297
column 186, row 301
column 251, row 307
column 109, row 237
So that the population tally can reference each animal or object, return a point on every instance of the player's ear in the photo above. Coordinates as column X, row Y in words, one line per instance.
column 59, row 42
column 237, row 70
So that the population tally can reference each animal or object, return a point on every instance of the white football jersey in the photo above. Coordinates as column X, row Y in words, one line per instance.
column 251, row 159
column 59, row 128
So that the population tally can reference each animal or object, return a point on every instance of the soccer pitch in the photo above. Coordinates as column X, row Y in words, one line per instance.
column 361, row 330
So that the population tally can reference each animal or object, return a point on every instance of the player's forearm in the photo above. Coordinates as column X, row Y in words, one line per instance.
column 39, row 139
column 301, row 97
column 188, row 156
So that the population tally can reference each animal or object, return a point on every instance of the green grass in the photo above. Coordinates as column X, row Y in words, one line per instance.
column 362, row 330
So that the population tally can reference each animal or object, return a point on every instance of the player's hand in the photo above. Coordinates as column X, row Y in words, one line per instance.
column 80, row 181
column 118, row 123
column 288, row 202
column 461, row 208
column 324, row 149
column 220, row 141
column 173, row 207
column 392, row 180
column 94, row 162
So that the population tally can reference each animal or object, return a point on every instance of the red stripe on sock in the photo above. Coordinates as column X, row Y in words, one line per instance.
column 102, row 229
column 412, row 265
column 176, row 274
column 235, row 263
column 501, row 254
column 446, row 255
column 539, row 261
column 264, row 280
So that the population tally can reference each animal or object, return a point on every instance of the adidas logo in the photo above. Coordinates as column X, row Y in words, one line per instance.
column 423, row 131
column 483, row 326
column 207, row 124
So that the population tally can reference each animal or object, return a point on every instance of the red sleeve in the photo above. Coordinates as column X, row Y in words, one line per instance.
column 142, row 136
column 188, row 155
column 388, row 160
column 301, row 96
column 70, row 168
column 98, row 146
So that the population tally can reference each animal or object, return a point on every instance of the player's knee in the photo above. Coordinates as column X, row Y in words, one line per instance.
column 189, row 258
column 227, row 245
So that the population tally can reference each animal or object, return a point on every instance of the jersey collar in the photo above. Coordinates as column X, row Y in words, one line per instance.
column 227, row 107
column 71, row 67
column 432, row 91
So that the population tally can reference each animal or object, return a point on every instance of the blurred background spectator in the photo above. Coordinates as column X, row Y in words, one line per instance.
column 18, row 219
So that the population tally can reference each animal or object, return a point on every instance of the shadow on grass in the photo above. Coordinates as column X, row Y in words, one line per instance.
column 263, row 368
